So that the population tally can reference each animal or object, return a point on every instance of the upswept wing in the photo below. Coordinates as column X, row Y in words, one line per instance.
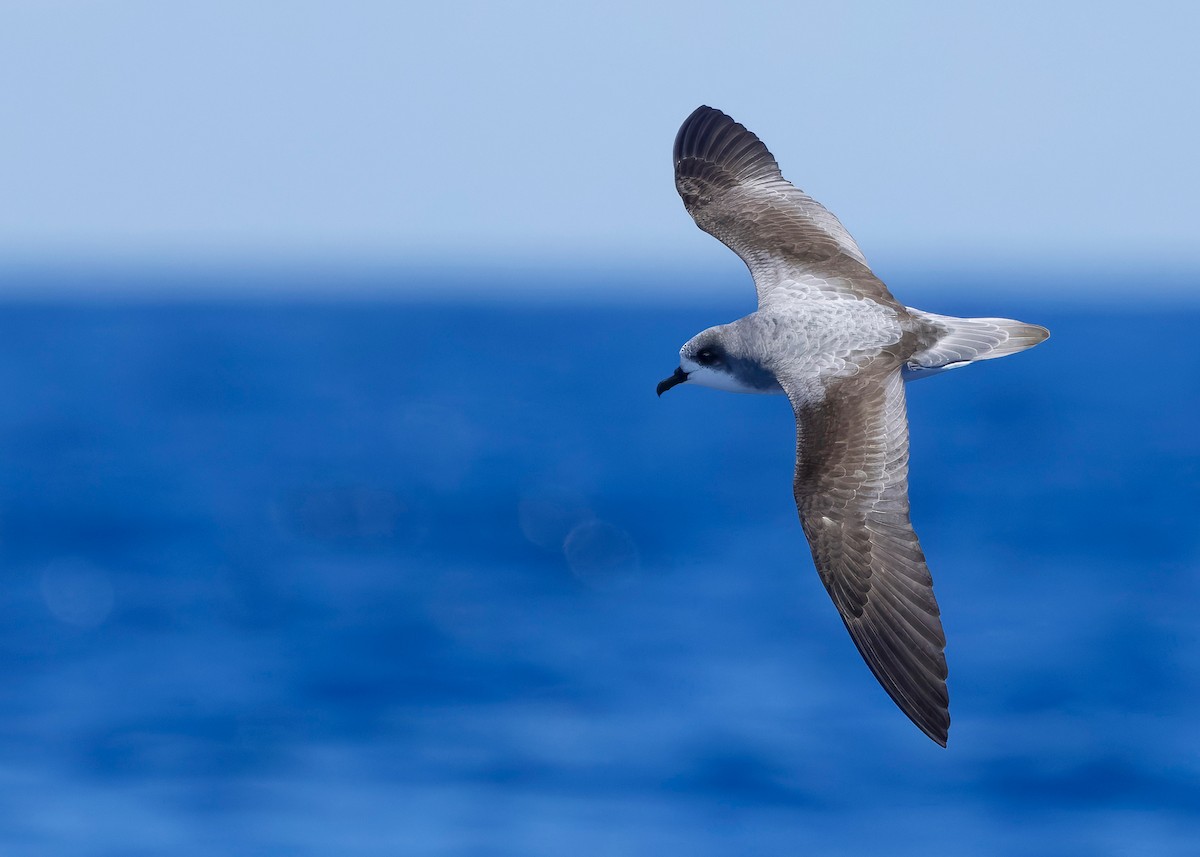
column 851, row 487
column 732, row 187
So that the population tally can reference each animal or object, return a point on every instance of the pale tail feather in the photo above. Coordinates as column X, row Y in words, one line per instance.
column 966, row 340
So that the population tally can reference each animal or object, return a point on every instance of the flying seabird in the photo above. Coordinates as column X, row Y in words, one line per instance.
column 829, row 335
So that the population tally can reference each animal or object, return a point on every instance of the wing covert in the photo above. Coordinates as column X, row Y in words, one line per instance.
column 731, row 185
column 851, row 488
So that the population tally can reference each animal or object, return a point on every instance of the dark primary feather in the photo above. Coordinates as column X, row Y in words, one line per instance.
column 732, row 187
column 851, row 487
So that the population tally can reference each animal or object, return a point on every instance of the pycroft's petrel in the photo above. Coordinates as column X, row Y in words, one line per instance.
column 830, row 336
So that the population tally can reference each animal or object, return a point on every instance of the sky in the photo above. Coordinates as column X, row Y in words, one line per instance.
column 538, row 135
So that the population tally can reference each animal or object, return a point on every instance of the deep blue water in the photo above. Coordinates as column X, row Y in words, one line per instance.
column 388, row 579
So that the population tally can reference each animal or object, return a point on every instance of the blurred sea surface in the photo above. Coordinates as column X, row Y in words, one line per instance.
column 382, row 578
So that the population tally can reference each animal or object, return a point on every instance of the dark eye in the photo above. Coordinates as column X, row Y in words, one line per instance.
column 707, row 357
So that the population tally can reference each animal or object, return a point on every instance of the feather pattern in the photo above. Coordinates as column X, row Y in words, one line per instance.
column 732, row 187
column 851, row 489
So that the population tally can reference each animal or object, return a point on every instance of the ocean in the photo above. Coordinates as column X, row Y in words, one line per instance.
column 417, row 578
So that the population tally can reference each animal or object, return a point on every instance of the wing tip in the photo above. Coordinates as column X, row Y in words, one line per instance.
column 711, row 135
column 926, row 704
column 939, row 733
column 933, row 721
column 701, row 114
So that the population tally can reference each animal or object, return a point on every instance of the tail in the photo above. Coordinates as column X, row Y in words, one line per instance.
column 964, row 340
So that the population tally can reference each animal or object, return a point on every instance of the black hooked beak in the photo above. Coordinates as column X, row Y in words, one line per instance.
column 678, row 378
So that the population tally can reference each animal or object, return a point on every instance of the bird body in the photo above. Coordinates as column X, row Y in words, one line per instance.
column 830, row 336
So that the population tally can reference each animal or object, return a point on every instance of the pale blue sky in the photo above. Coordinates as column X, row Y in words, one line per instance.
column 533, row 134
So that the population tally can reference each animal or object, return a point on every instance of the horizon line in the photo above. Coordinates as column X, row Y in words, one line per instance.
column 632, row 281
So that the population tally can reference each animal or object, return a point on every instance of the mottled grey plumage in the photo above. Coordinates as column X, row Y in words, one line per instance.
column 829, row 335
